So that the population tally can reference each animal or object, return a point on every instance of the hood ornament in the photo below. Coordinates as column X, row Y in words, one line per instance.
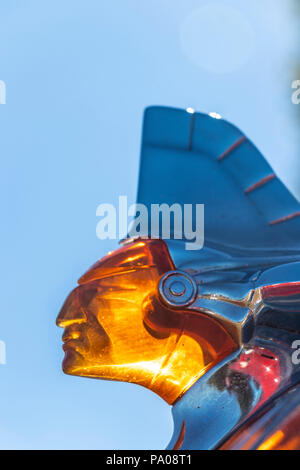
column 211, row 331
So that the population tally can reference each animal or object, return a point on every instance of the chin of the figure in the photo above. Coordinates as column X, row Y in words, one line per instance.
column 74, row 364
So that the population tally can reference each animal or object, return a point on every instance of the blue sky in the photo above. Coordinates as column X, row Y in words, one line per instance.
column 78, row 76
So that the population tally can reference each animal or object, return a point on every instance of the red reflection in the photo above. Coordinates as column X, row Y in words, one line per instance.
column 263, row 367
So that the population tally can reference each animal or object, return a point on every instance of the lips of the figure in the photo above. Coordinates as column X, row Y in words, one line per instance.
column 70, row 335
column 74, row 352
column 72, row 361
column 77, row 349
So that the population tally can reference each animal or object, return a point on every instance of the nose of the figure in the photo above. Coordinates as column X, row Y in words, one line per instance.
column 72, row 310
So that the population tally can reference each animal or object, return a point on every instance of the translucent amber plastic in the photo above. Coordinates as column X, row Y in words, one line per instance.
column 117, row 328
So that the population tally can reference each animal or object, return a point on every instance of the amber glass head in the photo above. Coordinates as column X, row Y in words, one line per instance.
column 116, row 327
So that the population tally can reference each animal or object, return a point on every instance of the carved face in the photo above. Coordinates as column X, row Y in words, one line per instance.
column 116, row 327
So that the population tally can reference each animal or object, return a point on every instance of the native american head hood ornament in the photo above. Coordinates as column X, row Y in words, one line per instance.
column 211, row 330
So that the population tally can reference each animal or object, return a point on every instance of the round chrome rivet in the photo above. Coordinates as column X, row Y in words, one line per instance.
column 177, row 288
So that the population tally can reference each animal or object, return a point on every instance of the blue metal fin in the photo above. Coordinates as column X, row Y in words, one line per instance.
column 194, row 158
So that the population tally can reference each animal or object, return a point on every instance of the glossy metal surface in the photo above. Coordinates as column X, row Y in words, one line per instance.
column 230, row 394
column 276, row 427
column 117, row 328
column 177, row 289
column 210, row 331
